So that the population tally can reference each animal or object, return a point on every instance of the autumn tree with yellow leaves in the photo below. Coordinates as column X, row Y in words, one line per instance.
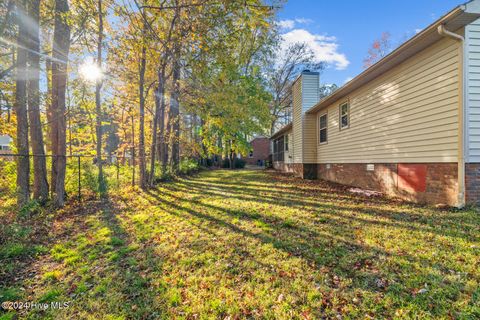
column 158, row 80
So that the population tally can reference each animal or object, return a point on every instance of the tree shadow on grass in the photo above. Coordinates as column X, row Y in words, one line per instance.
column 97, row 265
column 440, row 222
column 336, row 250
column 135, row 263
column 329, row 244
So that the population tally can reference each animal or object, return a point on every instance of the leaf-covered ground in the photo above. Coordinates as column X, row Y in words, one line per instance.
column 246, row 244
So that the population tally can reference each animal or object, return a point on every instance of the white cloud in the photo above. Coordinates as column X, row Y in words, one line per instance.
column 303, row 20
column 286, row 24
column 418, row 30
column 348, row 79
column 324, row 48
column 289, row 24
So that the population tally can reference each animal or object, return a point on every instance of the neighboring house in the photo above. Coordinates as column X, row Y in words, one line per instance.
column 5, row 144
column 407, row 126
column 259, row 152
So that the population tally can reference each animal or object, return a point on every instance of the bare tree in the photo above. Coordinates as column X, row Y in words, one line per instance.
column 327, row 89
column 23, row 162
column 379, row 49
column 60, row 50
column 287, row 66
column 40, row 183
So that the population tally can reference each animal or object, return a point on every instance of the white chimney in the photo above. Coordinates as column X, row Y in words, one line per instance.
column 306, row 93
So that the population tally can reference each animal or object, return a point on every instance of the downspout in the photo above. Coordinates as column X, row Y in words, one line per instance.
column 461, row 114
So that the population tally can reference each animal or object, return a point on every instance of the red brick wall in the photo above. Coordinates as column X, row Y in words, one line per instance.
column 302, row 170
column 440, row 180
column 261, row 150
column 295, row 168
column 472, row 183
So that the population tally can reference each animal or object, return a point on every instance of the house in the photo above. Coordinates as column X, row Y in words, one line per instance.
column 259, row 151
column 408, row 126
column 5, row 144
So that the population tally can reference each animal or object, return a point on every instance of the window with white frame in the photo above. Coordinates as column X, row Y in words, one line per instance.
column 322, row 128
column 344, row 115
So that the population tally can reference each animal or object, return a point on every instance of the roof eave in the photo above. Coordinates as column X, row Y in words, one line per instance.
column 417, row 43
column 281, row 131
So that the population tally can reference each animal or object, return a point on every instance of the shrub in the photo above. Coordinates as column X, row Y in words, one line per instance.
column 237, row 163
column 188, row 166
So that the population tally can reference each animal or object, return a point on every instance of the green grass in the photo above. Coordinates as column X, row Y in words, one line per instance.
column 249, row 244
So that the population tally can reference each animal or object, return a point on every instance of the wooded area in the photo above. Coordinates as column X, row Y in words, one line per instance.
column 158, row 81
column 116, row 114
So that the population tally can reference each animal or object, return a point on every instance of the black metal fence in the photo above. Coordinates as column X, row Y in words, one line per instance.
column 81, row 178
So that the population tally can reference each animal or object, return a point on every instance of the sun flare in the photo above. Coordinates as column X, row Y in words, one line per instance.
column 90, row 71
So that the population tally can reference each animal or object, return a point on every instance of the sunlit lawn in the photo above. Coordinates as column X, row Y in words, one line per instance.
column 246, row 244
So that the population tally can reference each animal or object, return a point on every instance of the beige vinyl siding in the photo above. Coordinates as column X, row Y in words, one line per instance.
column 310, row 139
column 409, row 114
column 297, row 127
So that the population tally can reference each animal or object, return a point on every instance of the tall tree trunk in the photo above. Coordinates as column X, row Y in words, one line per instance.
column 40, row 183
column 98, row 102
column 133, row 149
column 69, row 123
column 164, row 135
column 49, row 111
column 160, row 121
column 204, row 151
column 141, row 138
column 159, row 101
column 175, row 110
column 219, row 156
column 193, row 129
column 61, row 47
column 23, row 162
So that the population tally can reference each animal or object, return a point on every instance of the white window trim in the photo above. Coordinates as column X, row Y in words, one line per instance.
column 340, row 115
column 326, row 128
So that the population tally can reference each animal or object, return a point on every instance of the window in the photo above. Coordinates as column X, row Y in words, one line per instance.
column 278, row 149
column 250, row 155
column 344, row 115
column 286, row 142
column 322, row 128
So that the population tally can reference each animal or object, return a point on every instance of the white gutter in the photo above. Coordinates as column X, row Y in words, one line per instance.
column 393, row 58
column 444, row 32
column 461, row 116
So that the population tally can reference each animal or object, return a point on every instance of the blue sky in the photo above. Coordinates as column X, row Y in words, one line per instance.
column 341, row 32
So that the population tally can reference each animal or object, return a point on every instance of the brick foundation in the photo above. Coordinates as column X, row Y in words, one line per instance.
column 435, row 184
column 472, row 183
column 305, row 171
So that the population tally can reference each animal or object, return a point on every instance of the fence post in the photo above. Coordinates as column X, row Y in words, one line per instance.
column 133, row 166
column 79, row 178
